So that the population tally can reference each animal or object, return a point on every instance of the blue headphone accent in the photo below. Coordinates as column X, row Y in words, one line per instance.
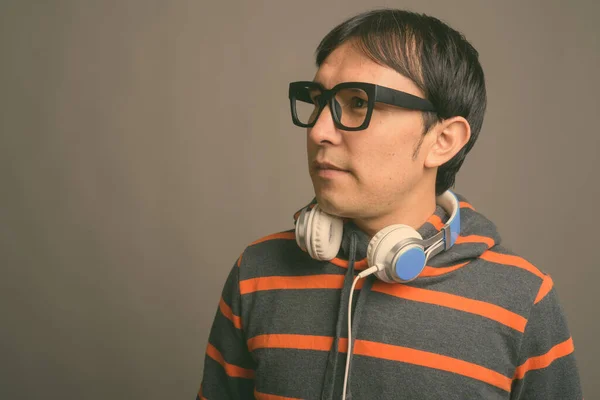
column 454, row 225
column 409, row 264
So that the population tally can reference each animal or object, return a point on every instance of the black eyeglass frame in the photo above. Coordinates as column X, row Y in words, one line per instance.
column 375, row 93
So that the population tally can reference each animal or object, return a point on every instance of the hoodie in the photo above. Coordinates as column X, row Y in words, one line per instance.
column 480, row 322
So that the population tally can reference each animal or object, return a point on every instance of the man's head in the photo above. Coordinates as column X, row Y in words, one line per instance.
column 405, row 156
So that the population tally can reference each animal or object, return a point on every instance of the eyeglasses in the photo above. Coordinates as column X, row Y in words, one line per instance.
column 351, row 103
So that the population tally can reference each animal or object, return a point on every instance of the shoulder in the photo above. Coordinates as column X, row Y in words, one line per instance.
column 269, row 252
column 525, row 279
column 275, row 238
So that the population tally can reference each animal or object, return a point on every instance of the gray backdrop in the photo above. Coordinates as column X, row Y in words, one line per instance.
column 144, row 144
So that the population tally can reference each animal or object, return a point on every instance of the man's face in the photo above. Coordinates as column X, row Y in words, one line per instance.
column 381, row 165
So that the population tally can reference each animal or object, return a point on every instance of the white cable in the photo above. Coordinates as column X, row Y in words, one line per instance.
column 363, row 274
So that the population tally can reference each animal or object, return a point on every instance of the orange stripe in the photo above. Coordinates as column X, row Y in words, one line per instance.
column 436, row 221
column 325, row 281
column 464, row 204
column 228, row 313
column 264, row 396
column 437, row 271
column 515, row 261
column 476, row 239
column 291, row 341
column 560, row 350
column 477, row 307
column 431, row 360
column 358, row 265
column 231, row 370
column 281, row 235
column 544, row 289
column 383, row 351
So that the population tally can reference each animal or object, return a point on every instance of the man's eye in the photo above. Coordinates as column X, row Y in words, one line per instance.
column 357, row 102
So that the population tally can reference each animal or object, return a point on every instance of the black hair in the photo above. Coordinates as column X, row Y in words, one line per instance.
column 437, row 58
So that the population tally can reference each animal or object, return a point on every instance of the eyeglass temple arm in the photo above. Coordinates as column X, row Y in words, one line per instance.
column 401, row 99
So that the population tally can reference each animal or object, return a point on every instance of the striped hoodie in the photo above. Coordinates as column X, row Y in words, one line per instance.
column 479, row 323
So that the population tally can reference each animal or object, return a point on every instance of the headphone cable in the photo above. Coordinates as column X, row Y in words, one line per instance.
column 363, row 274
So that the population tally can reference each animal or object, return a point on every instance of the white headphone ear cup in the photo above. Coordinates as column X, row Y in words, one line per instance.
column 382, row 244
column 301, row 223
column 326, row 233
column 309, row 230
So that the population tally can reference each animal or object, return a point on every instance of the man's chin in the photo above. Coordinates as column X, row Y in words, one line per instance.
column 333, row 207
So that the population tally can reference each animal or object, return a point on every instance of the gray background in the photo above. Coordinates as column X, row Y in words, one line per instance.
column 144, row 144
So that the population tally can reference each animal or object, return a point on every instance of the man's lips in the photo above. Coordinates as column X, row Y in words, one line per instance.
column 328, row 170
column 325, row 165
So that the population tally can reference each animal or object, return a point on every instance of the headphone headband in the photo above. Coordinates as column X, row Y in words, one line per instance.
column 447, row 236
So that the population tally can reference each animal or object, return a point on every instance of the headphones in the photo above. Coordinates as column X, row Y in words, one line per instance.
column 398, row 251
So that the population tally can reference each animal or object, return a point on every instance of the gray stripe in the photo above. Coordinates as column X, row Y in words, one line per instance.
column 298, row 373
column 444, row 331
column 432, row 328
column 506, row 286
column 230, row 342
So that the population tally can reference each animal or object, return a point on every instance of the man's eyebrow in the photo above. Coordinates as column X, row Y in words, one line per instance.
column 320, row 83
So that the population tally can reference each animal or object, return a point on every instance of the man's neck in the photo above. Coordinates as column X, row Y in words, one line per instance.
column 414, row 211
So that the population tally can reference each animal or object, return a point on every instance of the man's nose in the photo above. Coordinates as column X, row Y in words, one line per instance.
column 324, row 130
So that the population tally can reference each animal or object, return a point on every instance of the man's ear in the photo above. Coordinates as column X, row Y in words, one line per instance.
column 450, row 136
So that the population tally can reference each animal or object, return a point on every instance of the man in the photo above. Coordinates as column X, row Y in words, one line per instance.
column 396, row 104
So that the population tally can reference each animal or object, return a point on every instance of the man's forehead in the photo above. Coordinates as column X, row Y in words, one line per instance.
column 348, row 63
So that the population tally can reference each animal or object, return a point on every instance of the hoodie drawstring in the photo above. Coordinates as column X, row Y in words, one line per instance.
column 333, row 357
